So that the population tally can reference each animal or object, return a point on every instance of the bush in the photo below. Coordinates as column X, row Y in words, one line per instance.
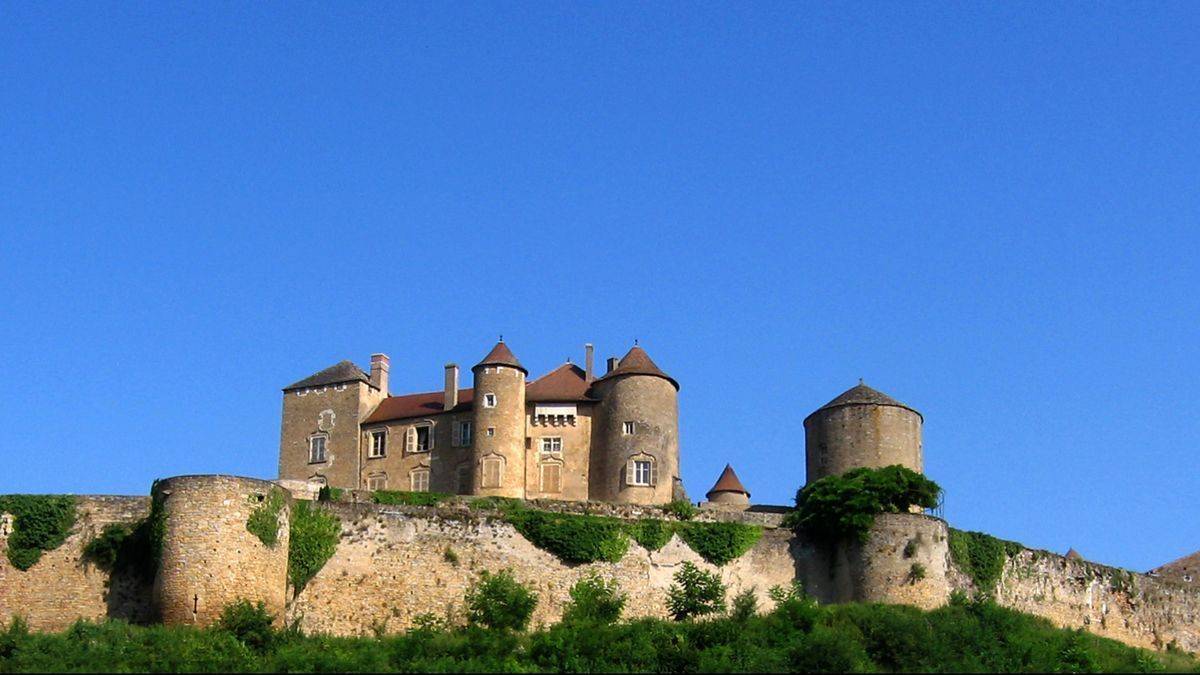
column 573, row 538
column 40, row 523
column 264, row 518
column 745, row 606
column 594, row 600
column 313, row 541
column 842, row 507
column 695, row 593
column 981, row 556
column 250, row 623
column 499, row 601
column 719, row 543
column 651, row 533
column 683, row 510
column 409, row 498
column 329, row 494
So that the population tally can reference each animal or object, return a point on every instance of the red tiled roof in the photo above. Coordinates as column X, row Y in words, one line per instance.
column 501, row 355
column 418, row 405
column 637, row 362
column 1072, row 554
column 728, row 482
column 567, row 382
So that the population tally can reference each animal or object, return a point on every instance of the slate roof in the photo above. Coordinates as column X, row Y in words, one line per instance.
column 1187, row 566
column 501, row 355
column 727, row 482
column 567, row 382
column 343, row 371
column 638, row 362
column 418, row 405
column 861, row 394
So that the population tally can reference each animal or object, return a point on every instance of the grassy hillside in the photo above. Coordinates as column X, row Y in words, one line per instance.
column 797, row 636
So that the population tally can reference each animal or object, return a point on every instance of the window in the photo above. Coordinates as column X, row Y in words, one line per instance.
column 462, row 434
column 419, row 480
column 493, row 472
column 378, row 444
column 628, row 428
column 551, row 477
column 491, row 431
column 552, row 444
column 419, row 438
column 316, row 449
column 377, row 481
column 489, row 400
column 641, row 471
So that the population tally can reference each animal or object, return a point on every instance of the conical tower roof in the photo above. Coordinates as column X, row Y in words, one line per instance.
column 728, row 482
column 501, row 355
column 1072, row 554
column 637, row 362
column 861, row 394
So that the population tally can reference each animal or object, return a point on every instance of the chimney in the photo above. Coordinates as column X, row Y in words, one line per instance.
column 379, row 372
column 612, row 364
column 588, row 360
column 451, row 387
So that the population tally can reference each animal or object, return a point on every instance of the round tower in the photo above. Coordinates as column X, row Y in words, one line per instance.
column 210, row 558
column 729, row 491
column 635, row 453
column 861, row 428
column 498, row 414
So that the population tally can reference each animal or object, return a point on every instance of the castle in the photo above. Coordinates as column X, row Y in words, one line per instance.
column 567, row 435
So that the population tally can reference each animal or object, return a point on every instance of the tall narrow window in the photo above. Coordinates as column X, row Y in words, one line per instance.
column 419, row 438
column 551, row 477
column 628, row 428
column 464, row 433
column 552, row 444
column 489, row 400
column 378, row 444
column 316, row 449
column 493, row 472
column 419, row 480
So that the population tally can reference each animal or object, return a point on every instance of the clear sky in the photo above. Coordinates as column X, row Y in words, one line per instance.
column 989, row 211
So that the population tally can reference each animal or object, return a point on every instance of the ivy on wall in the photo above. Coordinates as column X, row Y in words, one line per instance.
column 135, row 548
column 843, row 507
column 719, row 543
column 40, row 523
column 264, row 519
column 313, row 541
column 981, row 556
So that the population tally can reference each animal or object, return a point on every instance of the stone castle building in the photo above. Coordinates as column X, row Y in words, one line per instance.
column 566, row 435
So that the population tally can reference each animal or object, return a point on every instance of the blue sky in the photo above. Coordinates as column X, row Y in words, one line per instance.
column 988, row 211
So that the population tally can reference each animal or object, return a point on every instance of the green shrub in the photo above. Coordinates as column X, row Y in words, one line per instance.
column 695, row 593
column 409, row 498
column 499, row 601
column 719, row 543
column 450, row 556
column 683, row 510
column 981, row 556
column 573, row 538
column 103, row 549
column 250, row 623
column 264, row 518
column 330, row 494
column 313, row 539
column 843, row 507
column 40, row 523
column 651, row 533
column 123, row 548
column 916, row 573
column 744, row 606
column 594, row 600
column 501, row 504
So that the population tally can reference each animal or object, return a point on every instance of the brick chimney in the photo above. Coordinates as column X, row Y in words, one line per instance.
column 380, row 364
column 588, row 359
column 451, row 399
column 612, row 364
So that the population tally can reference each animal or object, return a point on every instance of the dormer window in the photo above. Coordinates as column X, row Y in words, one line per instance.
column 628, row 428
column 316, row 449
column 489, row 400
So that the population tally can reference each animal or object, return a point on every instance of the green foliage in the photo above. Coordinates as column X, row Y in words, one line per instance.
column 499, row 601
column 966, row 637
column 651, row 533
column 135, row 548
column 313, row 539
column 409, row 498
column 981, row 557
column 744, row 606
column 40, row 523
column 264, row 518
column 573, row 538
column 719, row 543
column 594, row 600
column 695, row 593
column 250, row 623
column 103, row 550
column 843, row 507
column 501, row 504
column 910, row 548
column 916, row 573
column 450, row 556
column 330, row 494
column 681, row 509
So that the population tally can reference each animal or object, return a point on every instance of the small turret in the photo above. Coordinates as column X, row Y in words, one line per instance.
column 498, row 413
column 728, row 490
column 861, row 428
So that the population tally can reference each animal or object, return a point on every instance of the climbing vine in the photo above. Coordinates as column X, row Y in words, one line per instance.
column 719, row 543
column 264, row 518
column 40, row 523
column 981, row 556
column 842, row 507
column 312, row 542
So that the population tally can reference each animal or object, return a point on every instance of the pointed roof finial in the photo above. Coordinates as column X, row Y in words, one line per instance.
column 635, row 342
column 502, row 337
column 860, row 381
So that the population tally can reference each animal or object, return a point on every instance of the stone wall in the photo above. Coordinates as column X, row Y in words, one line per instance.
column 63, row 587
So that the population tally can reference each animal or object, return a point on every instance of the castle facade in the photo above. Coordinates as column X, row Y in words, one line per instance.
column 566, row 435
